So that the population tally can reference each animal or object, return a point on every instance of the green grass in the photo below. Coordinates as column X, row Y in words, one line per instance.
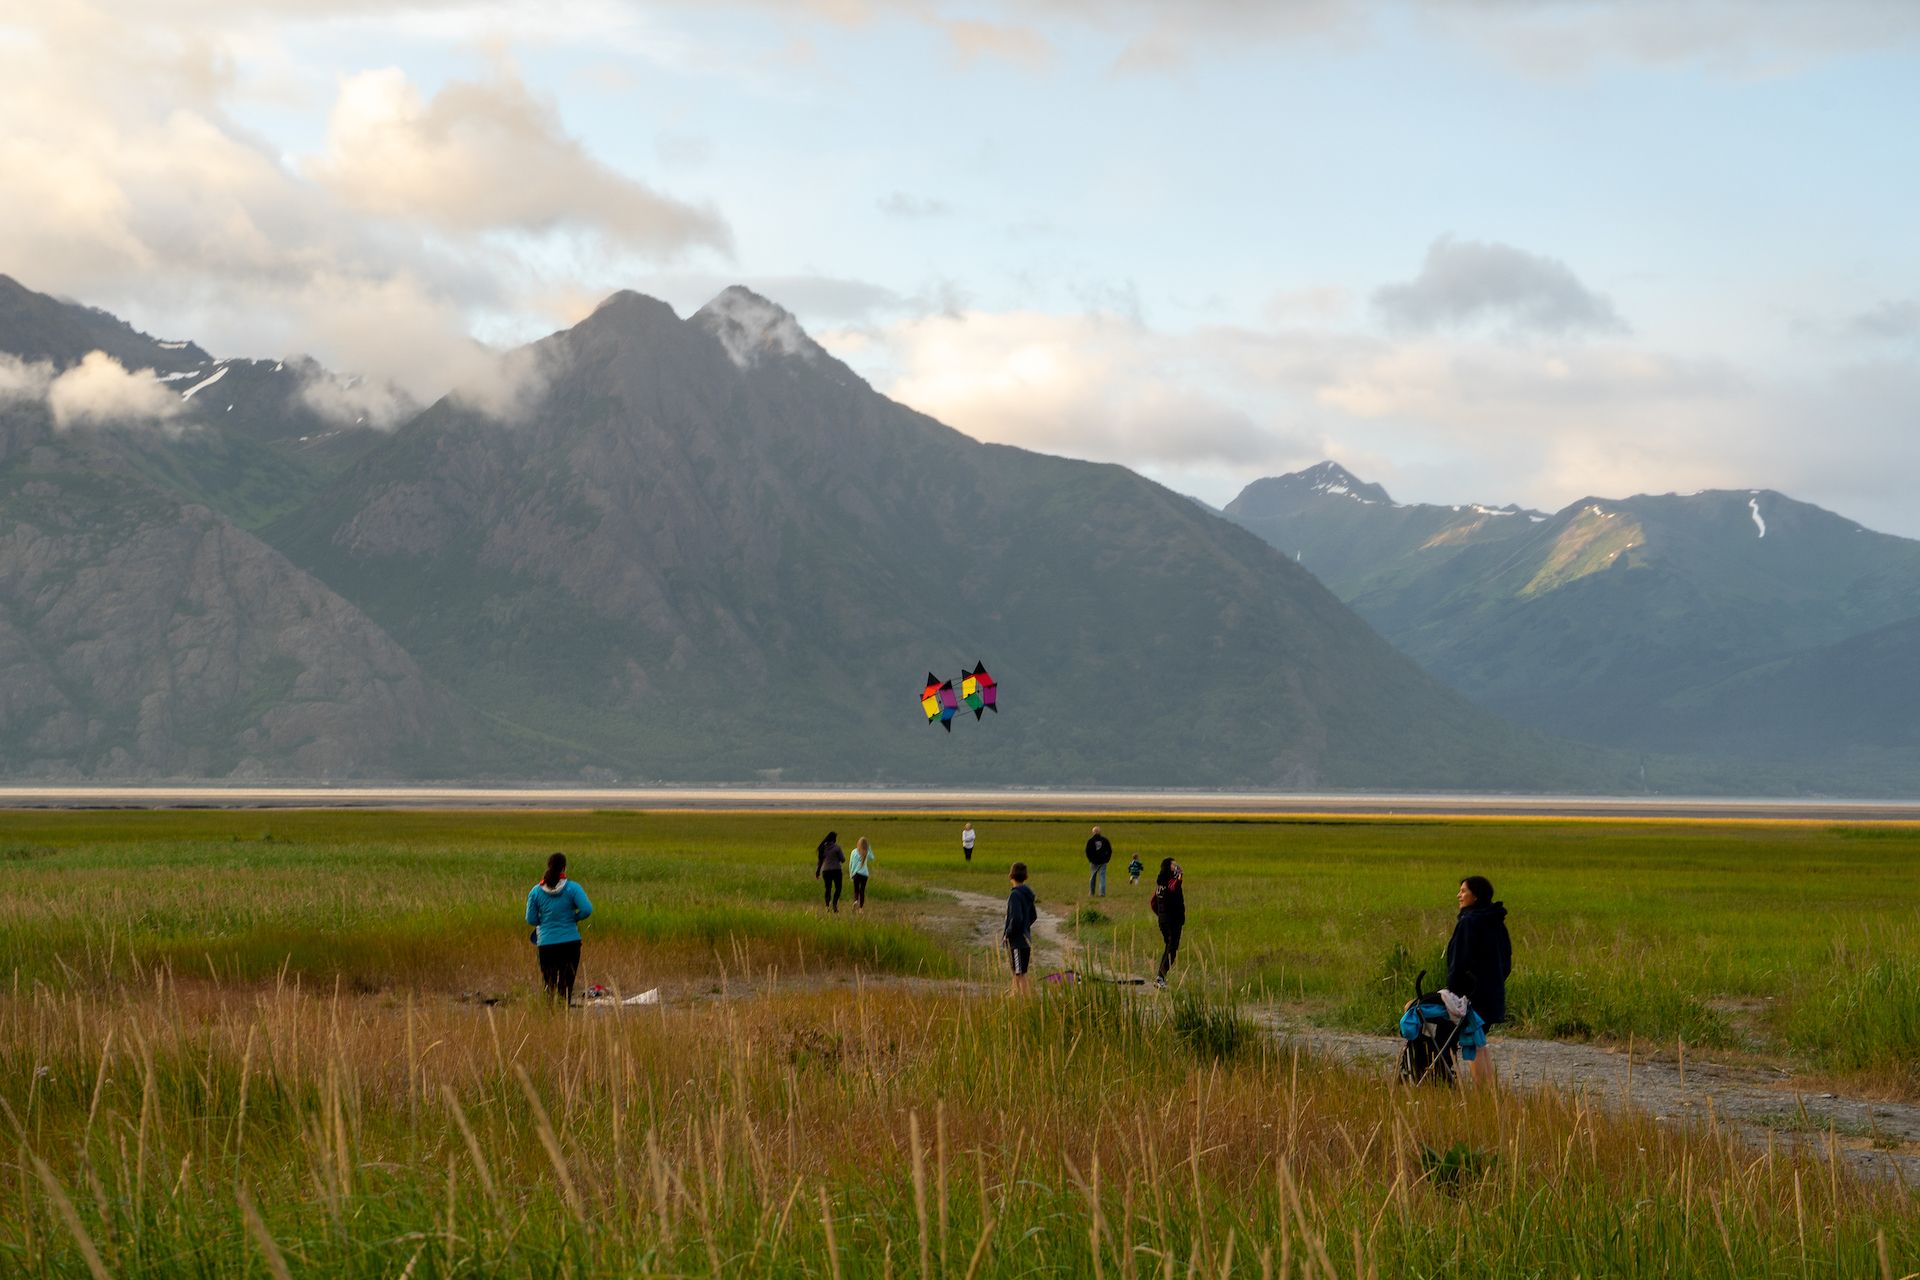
column 234, row 1042
column 1648, row 930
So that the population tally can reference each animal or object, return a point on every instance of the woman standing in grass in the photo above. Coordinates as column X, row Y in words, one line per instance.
column 1479, row 958
column 828, row 861
column 861, row 865
column 555, row 907
column 1169, row 902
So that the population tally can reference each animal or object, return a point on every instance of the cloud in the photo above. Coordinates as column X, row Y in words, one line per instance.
column 1892, row 319
column 1096, row 386
column 488, row 155
column 355, row 401
column 508, row 385
column 22, row 379
column 130, row 185
column 899, row 204
column 101, row 390
column 971, row 40
column 1465, row 282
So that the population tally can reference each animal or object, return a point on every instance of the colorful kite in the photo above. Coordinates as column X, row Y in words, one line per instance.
column 939, row 701
column 978, row 690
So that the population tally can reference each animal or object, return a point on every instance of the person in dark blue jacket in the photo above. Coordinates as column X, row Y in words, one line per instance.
column 555, row 907
column 1022, row 914
column 1479, row 960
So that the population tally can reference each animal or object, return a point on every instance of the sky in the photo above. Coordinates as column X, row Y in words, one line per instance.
column 1476, row 250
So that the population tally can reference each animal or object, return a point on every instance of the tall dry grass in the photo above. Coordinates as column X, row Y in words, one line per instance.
column 192, row 1127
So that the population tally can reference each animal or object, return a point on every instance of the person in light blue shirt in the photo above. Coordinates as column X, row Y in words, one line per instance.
column 861, row 865
column 555, row 907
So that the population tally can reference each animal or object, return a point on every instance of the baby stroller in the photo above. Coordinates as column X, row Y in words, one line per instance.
column 1434, row 1041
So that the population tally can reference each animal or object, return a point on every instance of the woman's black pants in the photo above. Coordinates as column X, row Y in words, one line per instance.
column 830, row 885
column 1170, row 938
column 859, row 891
column 559, row 962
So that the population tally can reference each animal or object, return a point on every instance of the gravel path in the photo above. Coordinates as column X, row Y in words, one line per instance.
column 1879, row 1139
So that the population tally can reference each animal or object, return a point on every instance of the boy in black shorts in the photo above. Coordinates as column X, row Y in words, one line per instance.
column 1021, row 915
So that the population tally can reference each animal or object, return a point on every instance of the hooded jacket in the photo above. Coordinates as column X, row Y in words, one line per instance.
column 557, row 911
column 1022, row 912
column 1479, row 958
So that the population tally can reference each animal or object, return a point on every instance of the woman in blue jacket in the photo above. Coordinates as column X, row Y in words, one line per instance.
column 555, row 907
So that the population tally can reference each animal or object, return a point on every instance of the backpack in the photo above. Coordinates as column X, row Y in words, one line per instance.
column 1153, row 902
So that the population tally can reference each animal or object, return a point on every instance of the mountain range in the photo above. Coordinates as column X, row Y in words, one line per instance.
column 684, row 549
column 1729, row 624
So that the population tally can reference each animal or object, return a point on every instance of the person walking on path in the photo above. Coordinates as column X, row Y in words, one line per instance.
column 1169, row 903
column 966, row 841
column 1099, row 854
column 861, row 865
column 827, row 865
column 555, row 908
column 1022, row 913
column 1479, row 960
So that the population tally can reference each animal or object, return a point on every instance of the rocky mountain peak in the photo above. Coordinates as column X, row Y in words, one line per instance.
column 1328, row 479
column 1331, row 478
column 751, row 327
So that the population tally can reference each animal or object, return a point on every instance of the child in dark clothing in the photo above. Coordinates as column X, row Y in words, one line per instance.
column 1134, row 869
column 1022, row 912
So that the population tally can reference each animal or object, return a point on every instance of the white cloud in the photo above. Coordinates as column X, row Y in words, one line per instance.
column 101, row 390
column 489, row 155
column 130, row 185
column 23, row 379
column 1097, row 386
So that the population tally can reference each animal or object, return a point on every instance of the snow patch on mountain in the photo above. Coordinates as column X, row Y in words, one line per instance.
column 1753, row 507
column 202, row 385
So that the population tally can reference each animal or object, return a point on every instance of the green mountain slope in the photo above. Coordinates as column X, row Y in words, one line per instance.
column 1614, row 619
column 142, row 637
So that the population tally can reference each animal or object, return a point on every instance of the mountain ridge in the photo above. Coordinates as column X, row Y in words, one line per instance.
column 1610, row 619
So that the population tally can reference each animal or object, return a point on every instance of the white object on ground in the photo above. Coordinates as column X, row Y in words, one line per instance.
column 645, row 997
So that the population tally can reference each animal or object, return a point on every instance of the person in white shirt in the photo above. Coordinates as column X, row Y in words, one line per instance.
column 966, row 841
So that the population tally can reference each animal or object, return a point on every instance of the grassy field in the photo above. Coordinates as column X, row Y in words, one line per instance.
column 257, row 1044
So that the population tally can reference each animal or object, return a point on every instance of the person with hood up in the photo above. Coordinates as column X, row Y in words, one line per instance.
column 1022, row 914
column 829, row 862
column 555, row 908
column 1479, row 961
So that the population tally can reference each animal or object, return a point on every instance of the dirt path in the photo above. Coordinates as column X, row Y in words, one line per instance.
column 1051, row 947
column 1880, row 1139
column 1877, row 1139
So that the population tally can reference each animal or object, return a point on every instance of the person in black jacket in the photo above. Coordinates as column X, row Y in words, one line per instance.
column 829, row 862
column 1099, row 854
column 1479, row 958
column 1169, row 902
column 1022, row 914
